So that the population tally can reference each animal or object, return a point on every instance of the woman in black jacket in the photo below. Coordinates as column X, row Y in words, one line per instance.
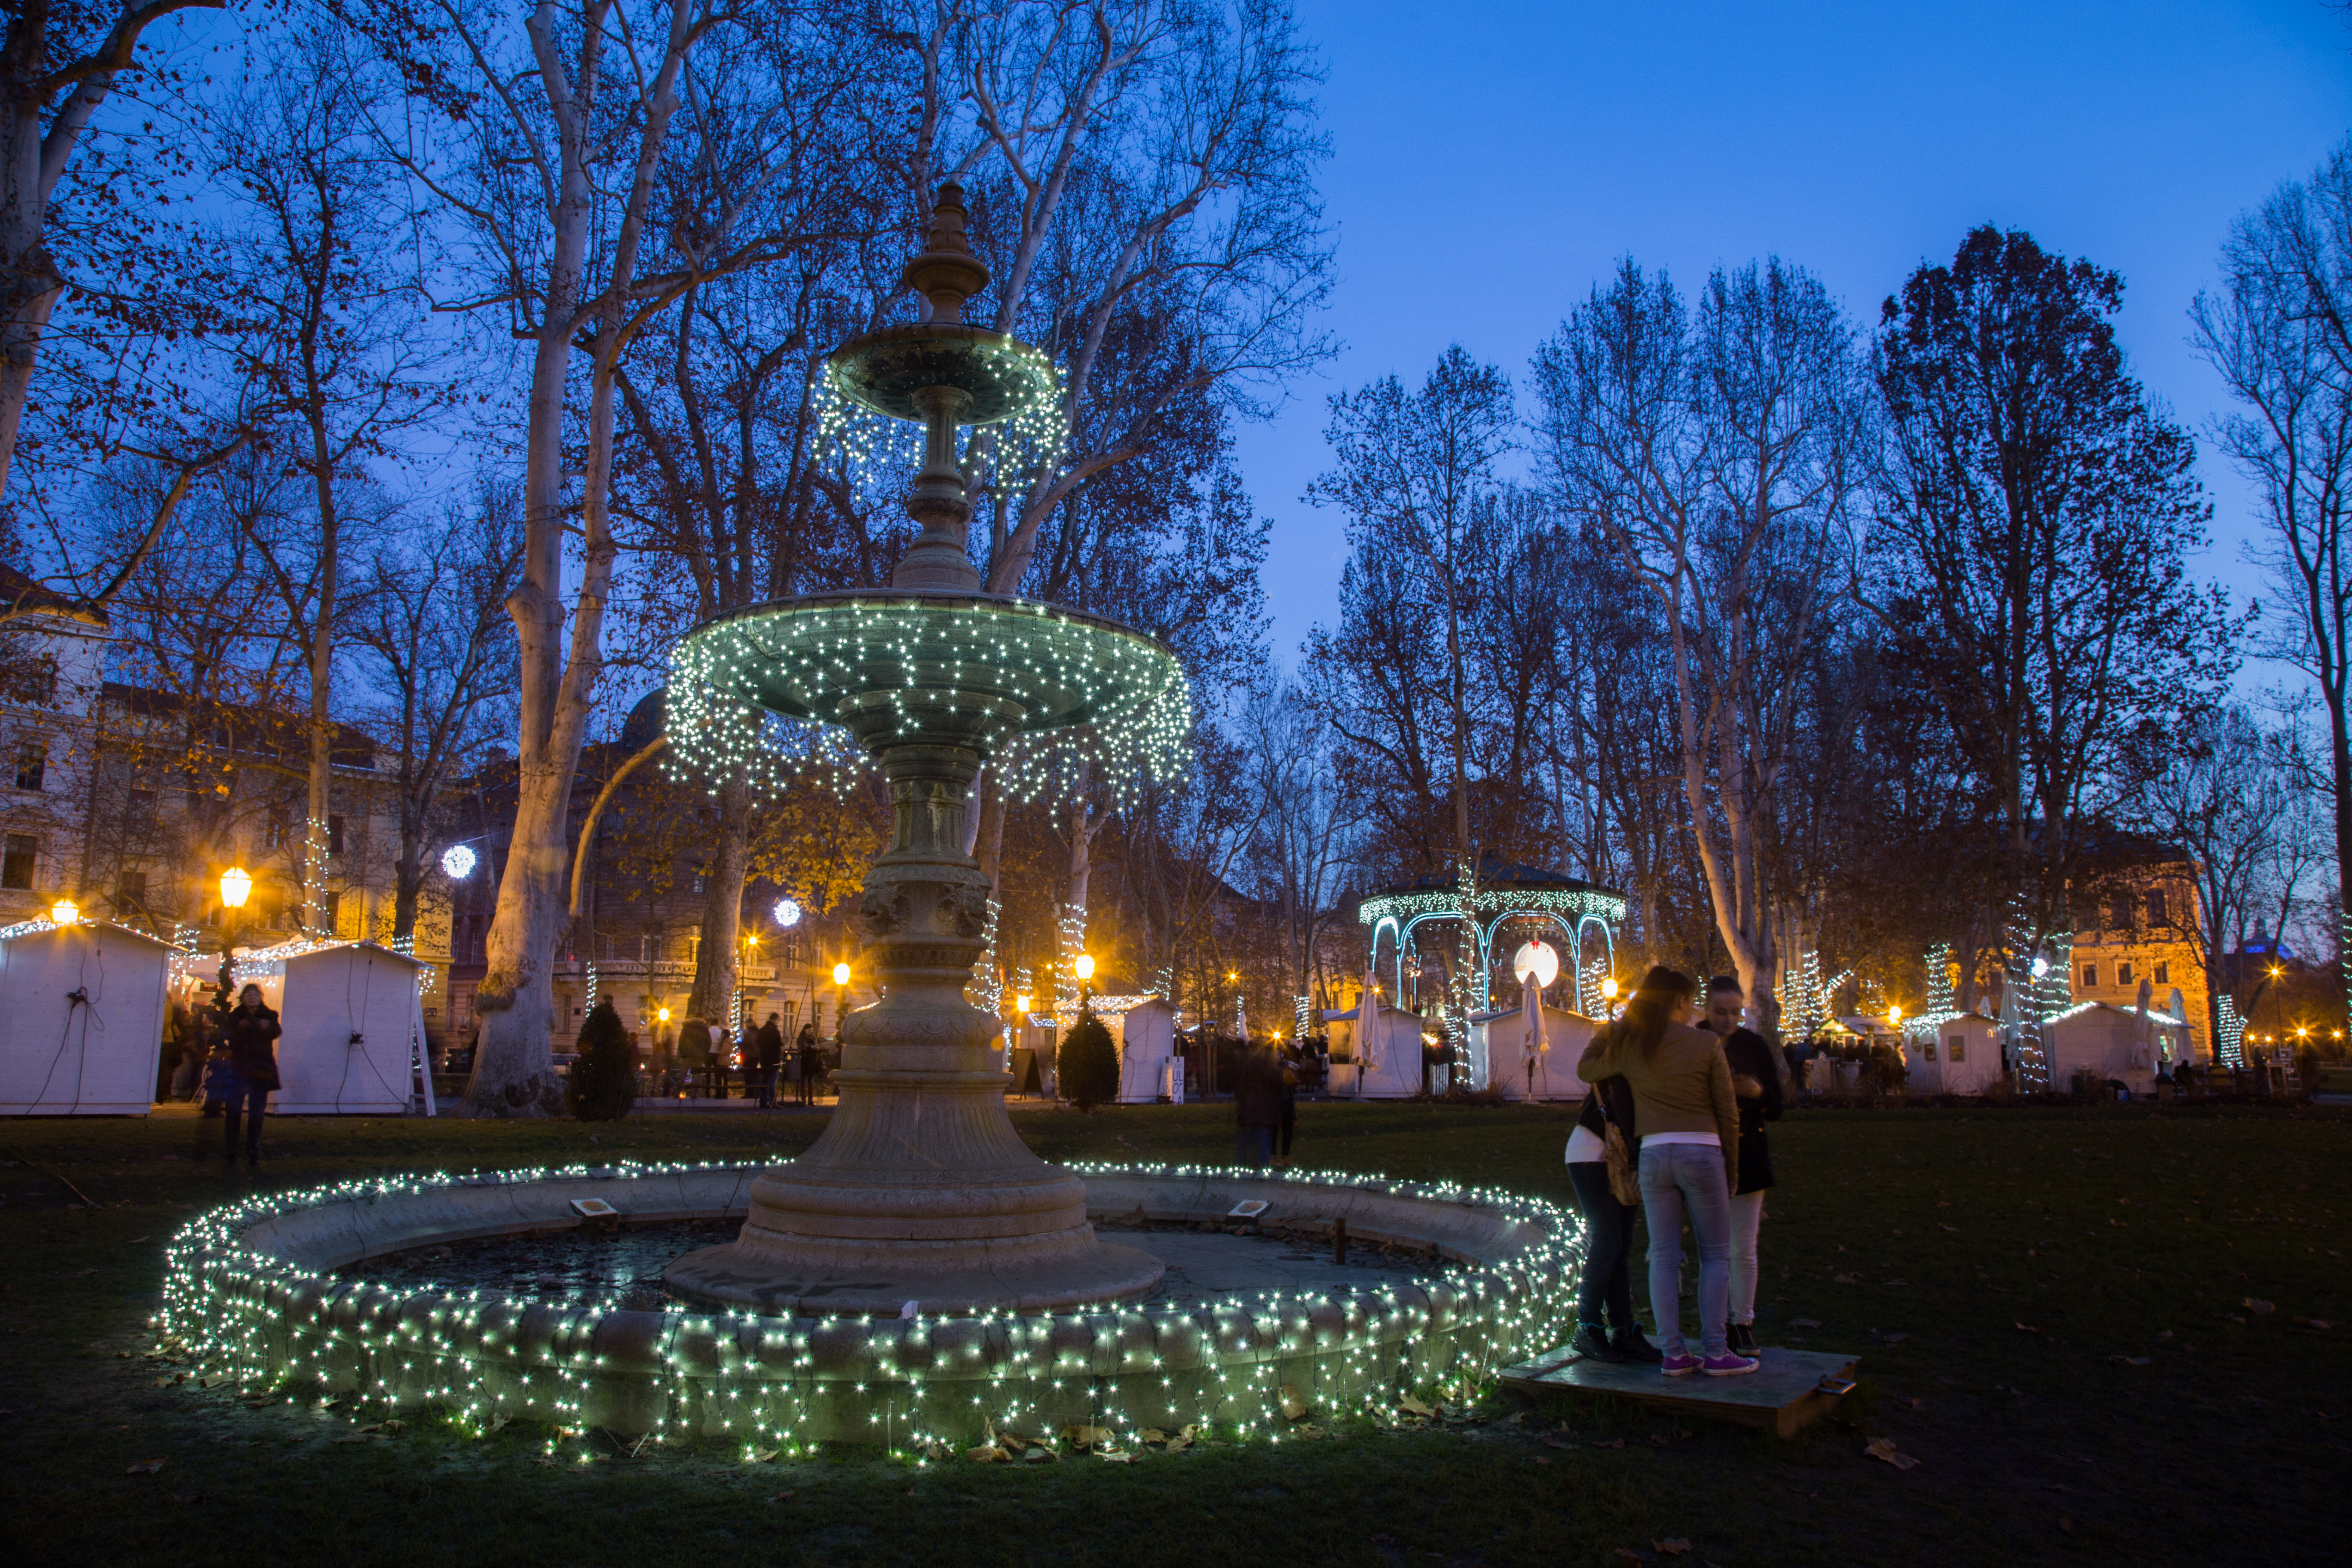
column 1605, row 1328
column 252, row 1031
column 1758, row 1087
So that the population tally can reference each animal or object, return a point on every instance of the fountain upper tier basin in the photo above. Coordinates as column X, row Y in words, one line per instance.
column 896, row 666
column 1000, row 376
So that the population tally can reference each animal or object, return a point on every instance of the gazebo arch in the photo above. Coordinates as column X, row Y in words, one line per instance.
column 1503, row 893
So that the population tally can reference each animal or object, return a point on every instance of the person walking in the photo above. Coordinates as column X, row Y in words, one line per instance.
column 722, row 1060
column 1257, row 1105
column 1689, row 1121
column 1758, row 1089
column 1606, row 1329
column 767, row 1054
column 253, row 1072
column 809, row 1061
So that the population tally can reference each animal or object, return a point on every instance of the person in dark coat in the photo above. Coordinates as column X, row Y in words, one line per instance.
column 767, row 1055
column 1758, row 1084
column 810, row 1062
column 215, row 1072
column 1606, row 1329
column 1257, row 1105
column 252, row 1035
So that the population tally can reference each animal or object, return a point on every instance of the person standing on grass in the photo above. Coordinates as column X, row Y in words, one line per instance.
column 1689, row 1121
column 1605, row 1328
column 693, row 1050
column 810, row 1063
column 253, row 1071
column 1758, row 1089
column 1257, row 1105
column 768, row 1053
column 1288, row 1062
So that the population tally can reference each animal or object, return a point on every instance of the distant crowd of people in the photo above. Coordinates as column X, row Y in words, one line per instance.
column 224, row 1053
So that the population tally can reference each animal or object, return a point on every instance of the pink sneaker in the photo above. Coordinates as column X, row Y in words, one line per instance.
column 1731, row 1364
column 1676, row 1365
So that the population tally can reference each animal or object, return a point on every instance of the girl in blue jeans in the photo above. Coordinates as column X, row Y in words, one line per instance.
column 1689, row 1123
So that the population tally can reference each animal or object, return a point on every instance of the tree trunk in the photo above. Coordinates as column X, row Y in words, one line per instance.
column 715, row 964
column 322, row 648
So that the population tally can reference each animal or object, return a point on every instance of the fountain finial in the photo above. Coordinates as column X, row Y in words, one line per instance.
column 947, row 273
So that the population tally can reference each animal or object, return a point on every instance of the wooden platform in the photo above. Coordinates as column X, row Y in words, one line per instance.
column 1784, row 1394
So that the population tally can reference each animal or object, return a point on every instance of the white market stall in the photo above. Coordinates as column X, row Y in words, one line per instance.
column 354, row 1028
column 1499, row 1054
column 1147, row 1048
column 1956, row 1055
column 81, row 1019
column 1383, row 1063
column 2110, row 1043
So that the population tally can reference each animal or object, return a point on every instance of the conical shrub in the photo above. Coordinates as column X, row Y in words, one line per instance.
column 1087, row 1067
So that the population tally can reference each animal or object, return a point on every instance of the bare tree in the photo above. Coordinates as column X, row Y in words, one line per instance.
column 2280, row 332
column 59, row 64
column 1719, row 455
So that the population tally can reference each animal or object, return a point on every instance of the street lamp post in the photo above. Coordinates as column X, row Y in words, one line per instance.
column 235, row 887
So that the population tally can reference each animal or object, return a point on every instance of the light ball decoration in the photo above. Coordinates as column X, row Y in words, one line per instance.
column 458, row 861
column 841, row 975
column 788, row 913
column 65, row 911
column 1609, row 988
column 1539, row 958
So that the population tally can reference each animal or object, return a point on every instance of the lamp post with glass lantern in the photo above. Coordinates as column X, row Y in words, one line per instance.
column 235, row 887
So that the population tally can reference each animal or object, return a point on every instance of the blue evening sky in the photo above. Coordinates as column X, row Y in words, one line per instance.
column 1491, row 160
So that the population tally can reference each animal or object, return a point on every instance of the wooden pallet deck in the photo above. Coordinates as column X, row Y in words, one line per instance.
column 1784, row 1395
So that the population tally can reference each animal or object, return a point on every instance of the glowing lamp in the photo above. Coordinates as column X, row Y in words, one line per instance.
column 1609, row 988
column 236, row 888
column 65, row 911
column 1085, row 966
column 788, row 913
column 662, row 1014
column 1539, row 958
column 1895, row 1013
column 1021, row 1004
column 841, row 975
column 458, row 861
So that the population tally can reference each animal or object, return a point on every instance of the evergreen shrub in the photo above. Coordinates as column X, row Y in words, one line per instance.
column 604, row 1083
column 1086, row 1069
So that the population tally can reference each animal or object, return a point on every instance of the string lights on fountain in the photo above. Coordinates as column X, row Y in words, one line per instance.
column 916, row 1385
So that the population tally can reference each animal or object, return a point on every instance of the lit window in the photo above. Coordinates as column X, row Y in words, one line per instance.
column 2163, row 974
column 2122, row 973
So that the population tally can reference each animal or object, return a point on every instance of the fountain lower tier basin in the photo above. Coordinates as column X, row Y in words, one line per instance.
column 274, row 1290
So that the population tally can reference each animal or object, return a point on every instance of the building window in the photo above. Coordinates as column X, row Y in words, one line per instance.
column 2123, row 913
column 32, row 763
column 131, row 887
column 331, row 908
column 2090, row 976
column 1956, row 1049
column 141, row 806
column 34, row 682
column 334, row 835
column 2156, row 910
column 16, row 863
column 273, row 830
column 2163, row 974
column 2122, row 973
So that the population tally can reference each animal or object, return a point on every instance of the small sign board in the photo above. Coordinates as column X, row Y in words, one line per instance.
column 594, row 1208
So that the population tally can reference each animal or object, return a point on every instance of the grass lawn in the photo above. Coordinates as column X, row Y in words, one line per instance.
column 1922, row 1240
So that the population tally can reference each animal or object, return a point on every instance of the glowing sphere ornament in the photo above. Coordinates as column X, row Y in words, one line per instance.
column 788, row 913
column 458, row 861
column 1539, row 958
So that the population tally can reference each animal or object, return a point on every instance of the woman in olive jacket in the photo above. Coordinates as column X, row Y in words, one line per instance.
column 1690, row 1124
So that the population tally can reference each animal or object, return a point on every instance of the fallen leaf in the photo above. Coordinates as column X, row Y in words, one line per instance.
column 2260, row 1309
column 1154, row 1435
column 763, row 1456
column 1613, row 1443
column 1558, row 1443
column 2313, row 1323
column 1674, row 1547
column 1414, row 1407
column 1081, row 1435
column 1115, row 1456
column 1953, row 1228
column 2027, row 1328
column 1804, row 1322
column 986, row 1454
column 1884, row 1448
column 1179, row 1443
column 1042, row 1455
column 1293, row 1408
column 144, row 1468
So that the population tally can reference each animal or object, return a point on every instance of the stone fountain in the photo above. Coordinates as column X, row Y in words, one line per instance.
column 920, row 1190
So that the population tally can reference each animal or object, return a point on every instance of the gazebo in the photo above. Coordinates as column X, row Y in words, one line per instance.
column 1582, row 911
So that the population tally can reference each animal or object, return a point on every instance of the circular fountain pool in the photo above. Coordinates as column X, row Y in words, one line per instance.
column 492, row 1295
